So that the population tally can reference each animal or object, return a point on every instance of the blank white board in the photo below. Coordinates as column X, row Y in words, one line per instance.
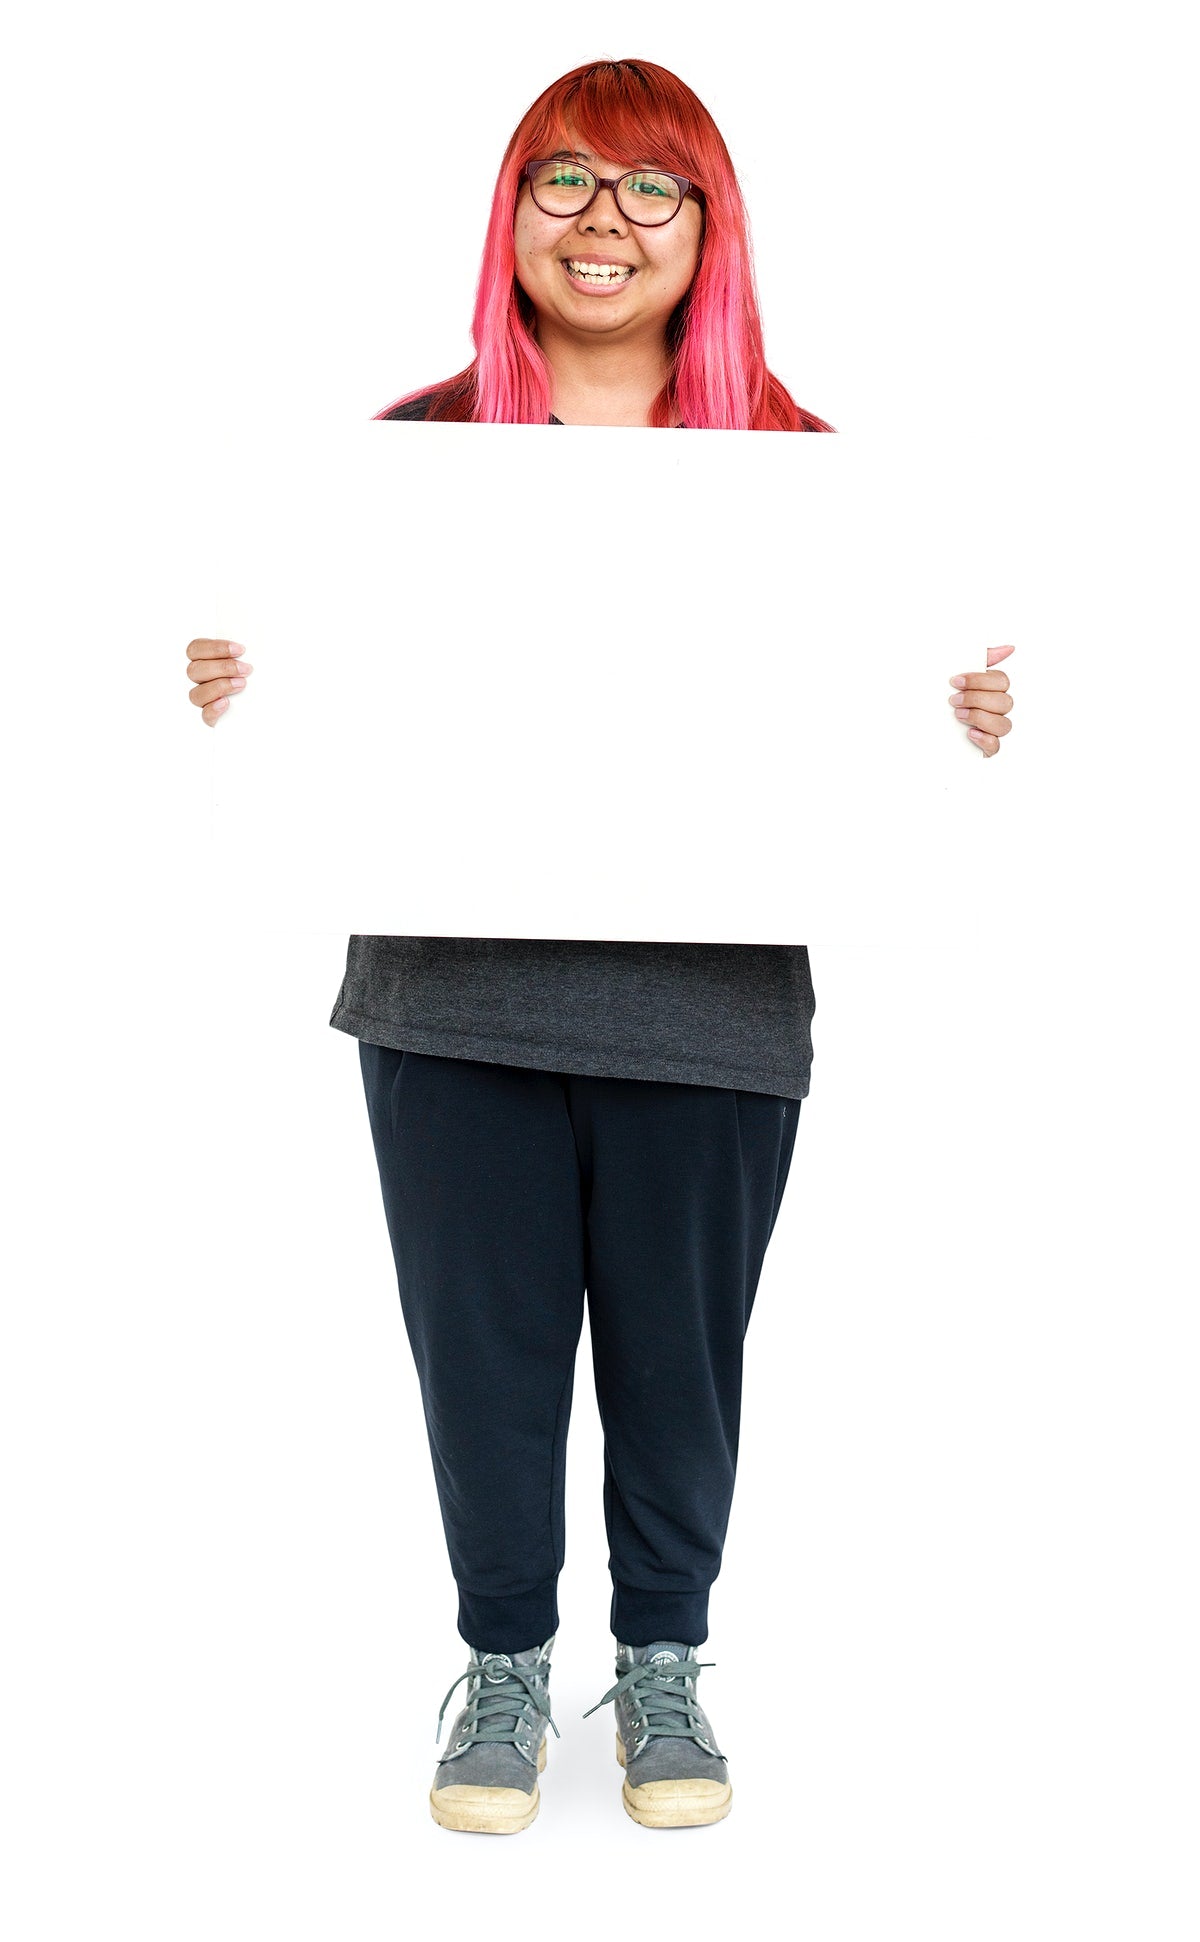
column 589, row 682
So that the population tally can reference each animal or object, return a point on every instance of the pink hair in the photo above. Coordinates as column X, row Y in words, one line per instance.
column 719, row 379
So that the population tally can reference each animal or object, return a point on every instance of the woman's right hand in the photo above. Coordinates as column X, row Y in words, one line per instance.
column 217, row 673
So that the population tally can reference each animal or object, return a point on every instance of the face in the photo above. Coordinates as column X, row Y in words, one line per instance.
column 551, row 249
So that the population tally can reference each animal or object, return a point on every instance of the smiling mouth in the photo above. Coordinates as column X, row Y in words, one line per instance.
column 602, row 275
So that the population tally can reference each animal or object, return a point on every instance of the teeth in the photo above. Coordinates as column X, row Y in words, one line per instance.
column 600, row 272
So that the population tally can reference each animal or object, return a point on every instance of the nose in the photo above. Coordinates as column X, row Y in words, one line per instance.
column 604, row 214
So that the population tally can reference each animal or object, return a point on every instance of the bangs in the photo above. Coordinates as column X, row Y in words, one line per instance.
column 619, row 114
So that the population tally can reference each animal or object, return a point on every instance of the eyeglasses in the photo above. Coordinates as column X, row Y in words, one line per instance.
column 645, row 197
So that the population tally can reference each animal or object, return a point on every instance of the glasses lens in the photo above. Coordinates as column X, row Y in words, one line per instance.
column 562, row 188
column 646, row 197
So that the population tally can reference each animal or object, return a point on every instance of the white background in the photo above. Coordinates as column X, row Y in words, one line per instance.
column 963, row 1539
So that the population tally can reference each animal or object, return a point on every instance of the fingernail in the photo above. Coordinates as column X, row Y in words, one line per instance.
column 244, row 667
column 976, row 734
column 223, row 703
column 236, row 681
column 958, row 680
column 964, row 714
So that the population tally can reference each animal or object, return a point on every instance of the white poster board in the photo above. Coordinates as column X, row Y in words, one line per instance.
column 586, row 682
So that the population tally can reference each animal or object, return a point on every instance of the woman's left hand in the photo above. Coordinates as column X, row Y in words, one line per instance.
column 983, row 700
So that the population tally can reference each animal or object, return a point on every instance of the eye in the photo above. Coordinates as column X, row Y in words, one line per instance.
column 564, row 178
column 652, row 187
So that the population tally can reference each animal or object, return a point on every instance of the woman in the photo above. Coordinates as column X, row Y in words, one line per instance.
column 617, row 286
column 553, row 1117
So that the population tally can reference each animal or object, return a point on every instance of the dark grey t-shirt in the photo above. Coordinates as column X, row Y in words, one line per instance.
column 418, row 408
column 736, row 1015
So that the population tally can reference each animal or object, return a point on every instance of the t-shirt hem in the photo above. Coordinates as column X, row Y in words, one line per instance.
column 562, row 1056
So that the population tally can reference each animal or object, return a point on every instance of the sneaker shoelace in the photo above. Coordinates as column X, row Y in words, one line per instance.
column 664, row 1706
column 499, row 1711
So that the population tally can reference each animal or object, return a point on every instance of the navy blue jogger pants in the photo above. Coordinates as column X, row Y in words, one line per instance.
column 510, row 1193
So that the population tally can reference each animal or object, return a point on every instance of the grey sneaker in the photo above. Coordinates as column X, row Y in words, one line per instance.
column 486, row 1781
column 675, row 1773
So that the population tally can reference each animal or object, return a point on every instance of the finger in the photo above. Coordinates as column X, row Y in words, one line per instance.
column 988, row 743
column 999, row 703
column 998, row 653
column 980, row 678
column 983, row 718
column 202, row 670
column 215, row 710
column 214, row 650
column 210, row 690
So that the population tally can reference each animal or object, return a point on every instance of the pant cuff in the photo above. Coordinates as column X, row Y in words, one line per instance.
column 513, row 1623
column 639, row 1617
